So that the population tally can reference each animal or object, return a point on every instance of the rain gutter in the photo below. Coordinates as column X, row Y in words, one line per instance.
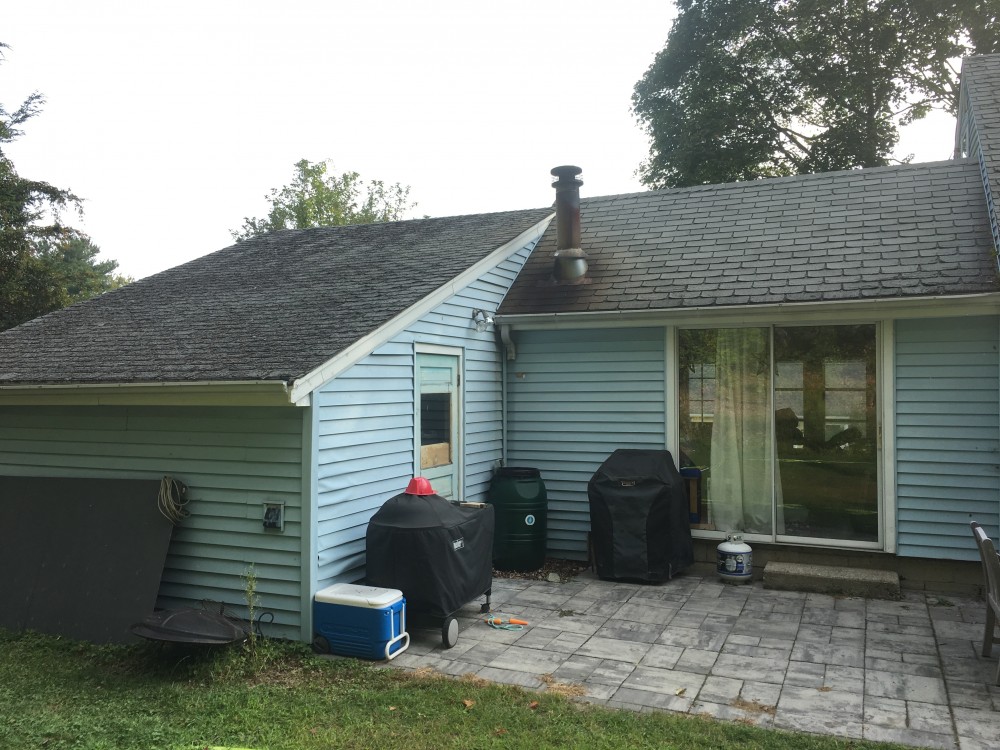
column 931, row 306
column 177, row 393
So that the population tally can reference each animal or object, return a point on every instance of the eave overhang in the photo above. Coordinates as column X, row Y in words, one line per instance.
column 201, row 393
column 938, row 306
column 256, row 392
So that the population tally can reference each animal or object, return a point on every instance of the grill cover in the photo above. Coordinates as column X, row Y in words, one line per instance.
column 639, row 517
column 440, row 555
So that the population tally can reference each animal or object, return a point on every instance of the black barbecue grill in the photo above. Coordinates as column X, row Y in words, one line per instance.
column 438, row 553
column 639, row 521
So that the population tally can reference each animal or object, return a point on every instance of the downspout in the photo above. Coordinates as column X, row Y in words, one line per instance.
column 507, row 351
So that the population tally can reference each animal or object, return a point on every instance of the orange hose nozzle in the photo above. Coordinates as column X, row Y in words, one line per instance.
column 501, row 621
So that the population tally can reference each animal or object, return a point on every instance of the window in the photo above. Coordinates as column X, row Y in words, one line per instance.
column 782, row 422
column 435, row 429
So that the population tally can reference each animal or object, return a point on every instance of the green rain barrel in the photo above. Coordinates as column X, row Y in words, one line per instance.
column 520, row 509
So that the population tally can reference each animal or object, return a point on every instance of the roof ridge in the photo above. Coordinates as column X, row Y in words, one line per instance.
column 451, row 217
column 766, row 181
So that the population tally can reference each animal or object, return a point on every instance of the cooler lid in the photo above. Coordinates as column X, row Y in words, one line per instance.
column 356, row 595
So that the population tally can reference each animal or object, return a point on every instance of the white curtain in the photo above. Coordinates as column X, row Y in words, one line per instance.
column 741, row 490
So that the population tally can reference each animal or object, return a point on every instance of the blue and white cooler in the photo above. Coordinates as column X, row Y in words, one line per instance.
column 363, row 621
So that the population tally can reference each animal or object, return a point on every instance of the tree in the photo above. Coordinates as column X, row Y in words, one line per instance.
column 761, row 88
column 73, row 263
column 981, row 20
column 44, row 264
column 318, row 199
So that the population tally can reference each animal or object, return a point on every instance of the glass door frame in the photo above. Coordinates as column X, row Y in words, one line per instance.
column 884, row 443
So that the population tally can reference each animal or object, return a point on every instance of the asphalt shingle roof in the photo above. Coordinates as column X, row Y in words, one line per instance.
column 890, row 232
column 271, row 308
column 276, row 307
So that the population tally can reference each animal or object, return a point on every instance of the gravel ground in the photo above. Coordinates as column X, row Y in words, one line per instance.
column 553, row 570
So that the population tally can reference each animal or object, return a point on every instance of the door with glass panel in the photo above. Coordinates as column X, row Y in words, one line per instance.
column 438, row 399
column 782, row 424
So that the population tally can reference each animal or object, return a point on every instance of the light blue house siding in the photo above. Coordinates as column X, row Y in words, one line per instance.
column 573, row 398
column 947, row 434
column 232, row 461
column 346, row 453
column 365, row 422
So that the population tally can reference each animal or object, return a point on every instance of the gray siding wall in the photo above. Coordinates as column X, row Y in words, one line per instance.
column 365, row 432
column 967, row 135
column 573, row 398
column 947, row 434
column 970, row 144
column 231, row 459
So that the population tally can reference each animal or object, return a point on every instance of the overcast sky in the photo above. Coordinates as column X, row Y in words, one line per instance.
column 174, row 119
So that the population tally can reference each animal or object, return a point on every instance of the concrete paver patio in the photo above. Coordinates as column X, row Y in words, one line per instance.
column 906, row 671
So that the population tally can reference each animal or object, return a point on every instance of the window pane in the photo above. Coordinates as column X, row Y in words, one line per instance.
column 435, row 429
column 788, row 375
column 825, row 432
column 725, row 424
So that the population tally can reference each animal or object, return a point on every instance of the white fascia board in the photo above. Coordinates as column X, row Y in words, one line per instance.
column 888, row 474
column 364, row 346
column 962, row 126
column 195, row 393
column 940, row 306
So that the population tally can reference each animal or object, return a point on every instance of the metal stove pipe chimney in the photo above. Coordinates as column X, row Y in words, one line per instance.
column 570, row 265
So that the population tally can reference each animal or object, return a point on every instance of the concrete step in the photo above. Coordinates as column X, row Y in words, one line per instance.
column 828, row 579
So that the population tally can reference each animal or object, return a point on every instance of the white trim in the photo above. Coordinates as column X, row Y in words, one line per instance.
column 448, row 351
column 459, row 354
column 886, row 461
column 368, row 343
column 961, row 127
column 309, row 564
column 147, row 384
column 671, row 418
column 195, row 393
column 415, row 405
column 792, row 541
column 844, row 311
column 886, row 375
column 777, row 490
column 816, row 542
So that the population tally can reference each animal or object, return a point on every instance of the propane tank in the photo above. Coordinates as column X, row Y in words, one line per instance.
column 735, row 559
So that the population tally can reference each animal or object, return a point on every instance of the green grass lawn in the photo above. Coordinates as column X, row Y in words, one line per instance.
column 56, row 693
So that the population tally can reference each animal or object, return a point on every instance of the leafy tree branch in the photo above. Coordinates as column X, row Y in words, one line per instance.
column 317, row 197
column 759, row 88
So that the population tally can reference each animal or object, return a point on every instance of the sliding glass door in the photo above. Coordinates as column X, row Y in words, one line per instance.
column 780, row 423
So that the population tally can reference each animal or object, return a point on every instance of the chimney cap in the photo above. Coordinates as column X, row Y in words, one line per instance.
column 570, row 261
column 567, row 176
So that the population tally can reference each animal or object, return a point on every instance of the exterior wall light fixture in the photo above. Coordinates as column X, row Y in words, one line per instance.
column 482, row 319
